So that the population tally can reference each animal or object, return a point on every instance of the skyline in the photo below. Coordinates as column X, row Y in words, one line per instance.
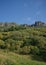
column 23, row 11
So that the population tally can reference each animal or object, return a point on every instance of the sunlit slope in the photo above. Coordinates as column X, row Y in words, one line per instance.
column 10, row 58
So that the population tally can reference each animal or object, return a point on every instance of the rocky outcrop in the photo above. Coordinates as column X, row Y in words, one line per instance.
column 7, row 24
column 38, row 24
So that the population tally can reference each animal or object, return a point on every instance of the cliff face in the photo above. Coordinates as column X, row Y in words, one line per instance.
column 38, row 24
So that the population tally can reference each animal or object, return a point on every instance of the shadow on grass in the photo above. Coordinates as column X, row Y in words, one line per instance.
column 38, row 58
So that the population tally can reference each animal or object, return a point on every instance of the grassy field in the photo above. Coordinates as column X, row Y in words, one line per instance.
column 10, row 58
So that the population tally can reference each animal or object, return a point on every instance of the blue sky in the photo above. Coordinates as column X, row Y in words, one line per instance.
column 22, row 11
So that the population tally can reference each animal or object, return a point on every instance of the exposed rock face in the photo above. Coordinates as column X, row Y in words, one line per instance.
column 38, row 24
column 7, row 24
column 26, row 25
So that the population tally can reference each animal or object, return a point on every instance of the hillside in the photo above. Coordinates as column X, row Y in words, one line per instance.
column 26, row 42
column 36, row 24
column 10, row 58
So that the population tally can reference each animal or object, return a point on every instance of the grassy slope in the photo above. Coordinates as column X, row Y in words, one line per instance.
column 10, row 58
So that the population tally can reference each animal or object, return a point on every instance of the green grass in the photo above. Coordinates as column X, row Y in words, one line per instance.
column 10, row 58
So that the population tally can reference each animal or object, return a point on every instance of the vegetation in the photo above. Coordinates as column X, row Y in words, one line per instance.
column 23, row 40
column 10, row 58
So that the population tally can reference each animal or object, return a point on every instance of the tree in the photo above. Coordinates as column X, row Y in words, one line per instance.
column 2, row 44
column 10, row 44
